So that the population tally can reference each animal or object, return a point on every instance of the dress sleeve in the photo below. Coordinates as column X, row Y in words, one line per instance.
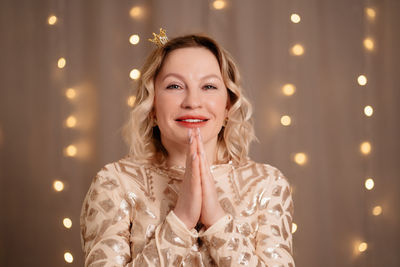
column 106, row 222
column 232, row 243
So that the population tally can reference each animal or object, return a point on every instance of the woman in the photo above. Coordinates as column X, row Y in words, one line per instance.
column 187, row 194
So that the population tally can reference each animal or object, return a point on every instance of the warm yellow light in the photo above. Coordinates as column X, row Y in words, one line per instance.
column 134, row 39
column 58, row 186
column 377, row 210
column 61, row 62
column 70, row 122
column 285, row 120
column 67, row 223
column 300, row 158
column 371, row 13
column 131, row 100
column 288, row 89
column 368, row 111
column 219, row 4
column 297, row 50
column 369, row 44
column 365, row 147
column 70, row 93
column 68, row 257
column 362, row 247
column 52, row 20
column 362, row 80
column 136, row 12
column 294, row 228
column 71, row 151
column 295, row 18
column 369, row 183
column 134, row 74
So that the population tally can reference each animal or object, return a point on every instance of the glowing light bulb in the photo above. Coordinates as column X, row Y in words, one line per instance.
column 300, row 158
column 219, row 4
column 134, row 39
column 71, row 151
column 369, row 44
column 131, row 100
column 297, row 50
column 368, row 111
column 362, row 247
column 295, row 18
column 68, row 257
column 377, row 210
column 285, row 120
column 58, row 185
column 369, row 183
column 136, row 12
column 294, row 228
column 362, row 80
column 70, row 93
column 70, row 122
column 370, row 12
column 288, row 89
column 67, row 223
column 134, row 74
column 365, row 148
column 61, row 62
column 52, row 20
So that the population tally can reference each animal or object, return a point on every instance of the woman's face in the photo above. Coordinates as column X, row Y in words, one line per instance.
column 190, row 93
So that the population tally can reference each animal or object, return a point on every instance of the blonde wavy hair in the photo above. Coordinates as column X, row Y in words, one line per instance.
column 144, row 138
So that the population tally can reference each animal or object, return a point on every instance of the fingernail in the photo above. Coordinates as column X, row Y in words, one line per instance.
column 190, row 132
column 198, row 131
column 191, row 139
column 193, row 156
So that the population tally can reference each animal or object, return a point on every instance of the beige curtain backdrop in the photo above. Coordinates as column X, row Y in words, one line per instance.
column 333, row 210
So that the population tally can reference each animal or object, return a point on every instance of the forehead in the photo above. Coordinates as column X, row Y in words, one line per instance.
column 191, row 60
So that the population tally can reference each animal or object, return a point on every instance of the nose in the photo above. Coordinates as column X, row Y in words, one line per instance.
column 192, row 99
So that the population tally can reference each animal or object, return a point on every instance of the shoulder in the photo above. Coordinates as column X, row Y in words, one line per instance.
column 267, row 174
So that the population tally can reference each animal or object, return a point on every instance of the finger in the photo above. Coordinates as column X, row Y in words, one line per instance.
column 205, row 173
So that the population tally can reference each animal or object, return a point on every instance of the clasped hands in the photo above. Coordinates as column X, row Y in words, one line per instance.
column 197, row 200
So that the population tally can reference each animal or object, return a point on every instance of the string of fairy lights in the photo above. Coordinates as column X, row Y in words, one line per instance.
column 137, row 12
column 70, row 122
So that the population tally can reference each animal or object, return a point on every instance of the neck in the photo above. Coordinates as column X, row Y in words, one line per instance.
column 177, row 152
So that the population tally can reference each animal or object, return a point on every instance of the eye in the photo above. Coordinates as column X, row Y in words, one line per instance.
column 209, row 86
column 173, row 86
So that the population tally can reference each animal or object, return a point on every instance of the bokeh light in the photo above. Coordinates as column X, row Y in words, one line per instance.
column 297, row 50
column 362, row 246
column 70, row 122
column 51, row 20
column 294, row 228
column 288, row 89
column 368, row 111
column 365, row 148
column 362, row 80
column 136, row 12
column 68, row 257
column 134, row 74
column 219, row 4
column 70, row 93
column 377, row 210
column 61, row 62
column 67, row 223
column 369, row 183
column 369, row 44
column 131, row 100
column 134, row 39
column 300, row 158
column 295, row 18
column 370, row 12
column 285, row 120
column 71, row 151
column 58, row 185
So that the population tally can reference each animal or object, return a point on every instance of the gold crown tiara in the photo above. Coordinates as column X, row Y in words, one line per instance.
column 160, row 39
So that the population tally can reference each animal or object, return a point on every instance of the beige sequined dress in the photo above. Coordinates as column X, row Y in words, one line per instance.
column 127, row 218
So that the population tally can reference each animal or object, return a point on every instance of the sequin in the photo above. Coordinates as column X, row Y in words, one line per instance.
column 244, row 258
column 124, row 223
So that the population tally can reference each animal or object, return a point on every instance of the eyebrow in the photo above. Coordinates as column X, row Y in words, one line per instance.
column 183, row 78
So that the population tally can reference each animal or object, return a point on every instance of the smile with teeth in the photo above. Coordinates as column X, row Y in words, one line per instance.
column 192, row 120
